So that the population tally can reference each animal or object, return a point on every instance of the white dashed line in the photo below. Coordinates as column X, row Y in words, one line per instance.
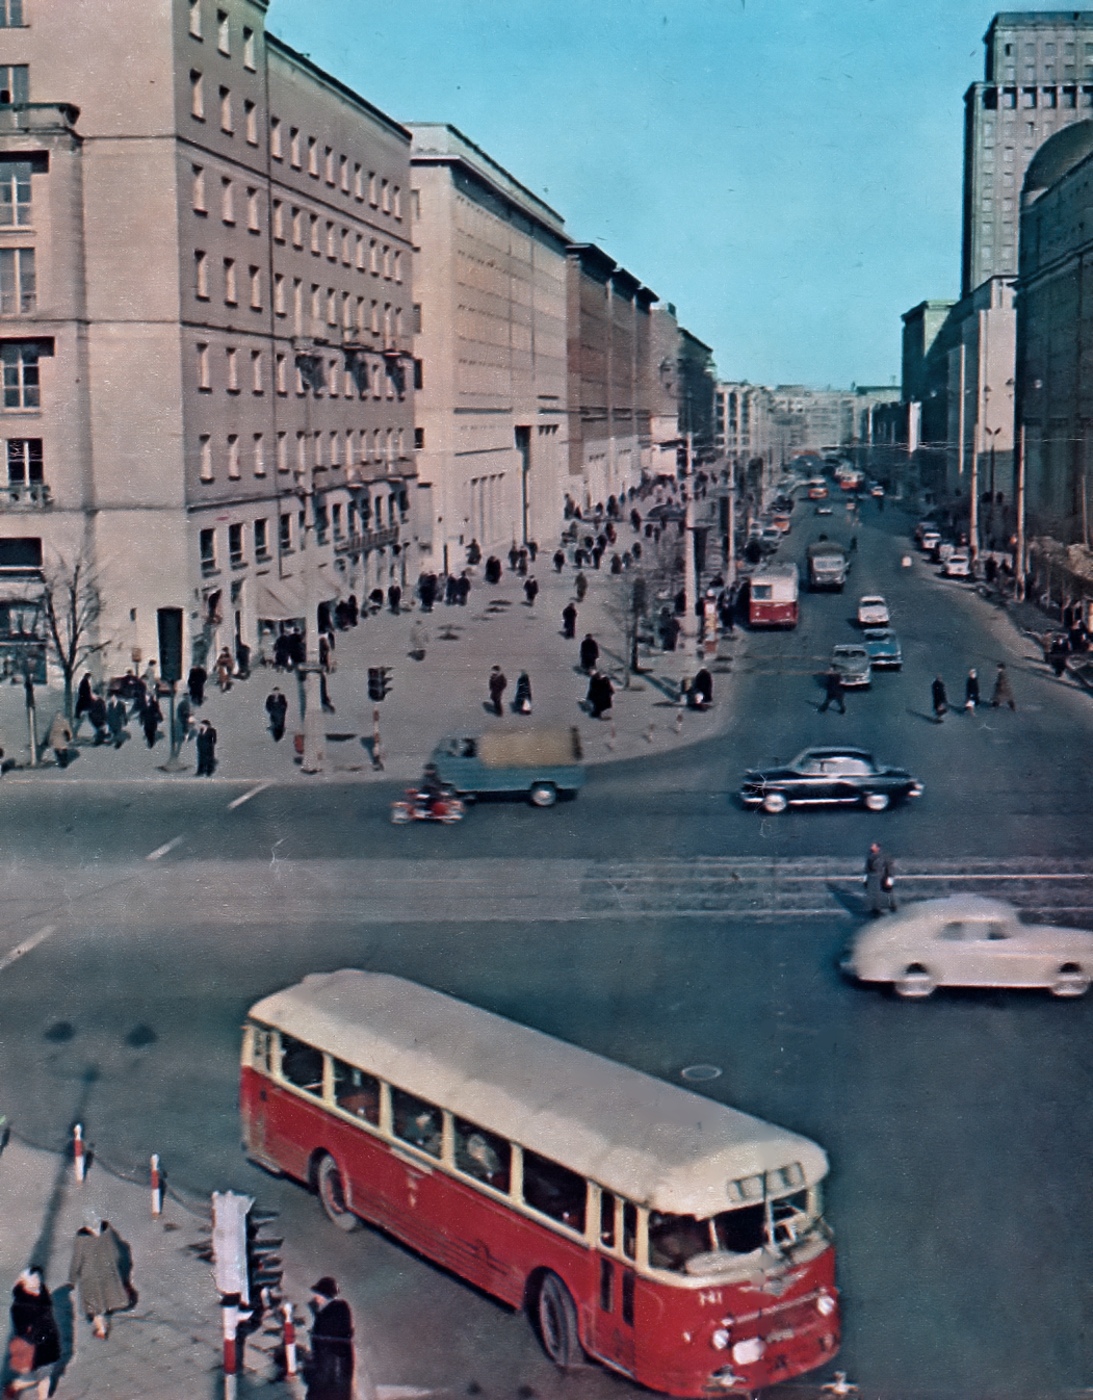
column 254, row 791
column 25, row 947
column 167, row 846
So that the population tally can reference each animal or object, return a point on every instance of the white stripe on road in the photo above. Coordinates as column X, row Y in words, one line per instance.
column 27, row 946
column 254, row 791
column 167, row 846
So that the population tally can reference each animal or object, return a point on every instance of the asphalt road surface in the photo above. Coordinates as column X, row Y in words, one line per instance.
column 652, row 920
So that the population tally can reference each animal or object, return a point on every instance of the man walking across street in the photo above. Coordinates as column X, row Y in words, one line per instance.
column 880, row 884
column 833, row 691
column 1003, row 691
column 277, row 709
column 590, row 653
column 497, row 683
column 569, row 622
column 971, row 691
column 206, row 749
column 940, row 699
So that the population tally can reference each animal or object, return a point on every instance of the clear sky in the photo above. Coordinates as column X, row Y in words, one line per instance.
column 787, row 172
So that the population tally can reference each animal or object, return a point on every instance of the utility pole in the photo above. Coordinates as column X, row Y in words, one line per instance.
column 314, row 756
column 1019, row 560
column 730, row 553
column 690, row 582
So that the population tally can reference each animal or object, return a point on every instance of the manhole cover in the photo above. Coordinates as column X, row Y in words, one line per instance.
column 698, row 1074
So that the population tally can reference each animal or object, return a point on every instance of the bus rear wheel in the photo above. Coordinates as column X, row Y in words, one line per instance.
column 328, row 1179
column 557, row 1317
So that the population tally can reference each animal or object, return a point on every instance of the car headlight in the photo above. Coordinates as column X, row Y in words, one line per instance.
column 747, row 1352
column 825, row 1304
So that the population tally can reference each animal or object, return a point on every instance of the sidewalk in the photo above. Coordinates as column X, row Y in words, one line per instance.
column 444, row 692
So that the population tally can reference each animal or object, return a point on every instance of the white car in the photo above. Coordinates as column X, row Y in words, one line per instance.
column 958, row 565
column 969, row 941
column 873, row 611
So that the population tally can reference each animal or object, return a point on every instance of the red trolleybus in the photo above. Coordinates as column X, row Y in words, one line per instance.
column 674, row 1239
column 772, row 596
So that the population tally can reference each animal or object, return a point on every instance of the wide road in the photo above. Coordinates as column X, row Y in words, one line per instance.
column 651, row 920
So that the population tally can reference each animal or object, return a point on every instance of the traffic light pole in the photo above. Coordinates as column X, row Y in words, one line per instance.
column 314, row 755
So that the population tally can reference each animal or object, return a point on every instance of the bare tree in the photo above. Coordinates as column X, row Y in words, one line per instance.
column 72, row 607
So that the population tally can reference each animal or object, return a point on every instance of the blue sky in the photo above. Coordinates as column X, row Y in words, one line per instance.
column 787, row 172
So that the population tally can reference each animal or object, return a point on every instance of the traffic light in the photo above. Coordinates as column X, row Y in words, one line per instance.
column 379, row 682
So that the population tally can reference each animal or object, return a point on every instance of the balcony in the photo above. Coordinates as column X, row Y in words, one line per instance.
column 23, row 496
column 38, row 117
column 368, row 539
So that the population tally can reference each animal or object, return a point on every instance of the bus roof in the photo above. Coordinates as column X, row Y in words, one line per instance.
column 657, row 1144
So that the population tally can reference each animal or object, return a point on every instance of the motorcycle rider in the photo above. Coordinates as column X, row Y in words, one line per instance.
column 430, row 789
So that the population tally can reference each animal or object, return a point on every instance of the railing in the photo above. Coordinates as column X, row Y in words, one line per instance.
column 19, row 496
column 368, row 539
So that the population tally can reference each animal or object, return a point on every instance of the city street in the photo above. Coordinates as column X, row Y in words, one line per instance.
column 652, row 920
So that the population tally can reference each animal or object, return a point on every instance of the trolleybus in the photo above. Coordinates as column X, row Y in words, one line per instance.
column 773, row 596
column 672, row 1238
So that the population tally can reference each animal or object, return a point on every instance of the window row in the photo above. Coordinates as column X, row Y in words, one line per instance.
column 340, row 519
column 12, row 14
column 19, row 362
column 231, row 276
column 339, row 172
column 296, row 452
column 246, row 200
column 223, row 33
column 1027, row 97
column 324, row 238
column 226, row 108
column 352, row 378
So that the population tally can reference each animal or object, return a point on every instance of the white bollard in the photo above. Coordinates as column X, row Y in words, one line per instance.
column 78, row 1158
column 157, row 1186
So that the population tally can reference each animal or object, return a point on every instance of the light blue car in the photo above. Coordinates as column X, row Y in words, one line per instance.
column 883, row 647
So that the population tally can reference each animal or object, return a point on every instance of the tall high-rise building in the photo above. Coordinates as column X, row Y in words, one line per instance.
column 1039, row 78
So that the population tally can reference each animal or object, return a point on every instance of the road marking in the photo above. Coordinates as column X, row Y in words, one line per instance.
column 25, row 947
column 167, row 846
column 254, row 791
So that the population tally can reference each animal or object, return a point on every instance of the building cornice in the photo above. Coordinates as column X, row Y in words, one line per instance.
column 279, row 49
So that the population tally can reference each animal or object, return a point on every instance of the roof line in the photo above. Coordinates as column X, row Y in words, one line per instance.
column 342, row 89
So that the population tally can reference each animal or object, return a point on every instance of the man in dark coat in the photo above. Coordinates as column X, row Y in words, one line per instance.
column 151, row 717
column 531, row 591
column 195, row 684
column 116, row 717
column 600, row 694
column 206, row 749
column 1003, row 691
column 277, row 709
column 939, row 698
column 497, row 683
column 394, row 598
column 33, row 1322
column 880, row 884
column 590, row 653
column 96, row 713
column 84, row 695
column 329, row 1372
column 833, row 691
column 569, row 621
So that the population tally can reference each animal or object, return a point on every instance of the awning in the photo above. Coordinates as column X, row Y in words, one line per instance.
column 280, row 599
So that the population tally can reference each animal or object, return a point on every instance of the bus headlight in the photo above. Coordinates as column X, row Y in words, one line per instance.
column 720, row 1339
column 747, row 1352
column 825, row 1304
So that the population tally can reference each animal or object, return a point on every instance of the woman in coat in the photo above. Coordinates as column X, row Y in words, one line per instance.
column 96, row 1270
column 330, row 1372
column 33, row 1322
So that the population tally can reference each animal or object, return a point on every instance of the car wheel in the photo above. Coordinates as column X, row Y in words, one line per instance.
column 1070, row 981
column 915, row 981
column 557, row 1317
column 332, row 1194
column 543, row 795
column 775, row 802
column 876, row 801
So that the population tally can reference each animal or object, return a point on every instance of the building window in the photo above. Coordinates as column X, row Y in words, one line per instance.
column 343, row 173
column 235, row 546
column 294, row 148
column 281, row 372
column 195, row 19
column 419, row 439
column 336, row 521
column 360, row 316
column 257, row 374
column 373, row 258
column 359, row 259
column 255, row 275
column 231, row 291
column 197, row 96
column 232, row 357
column 203, row 380
column 223, row 32
column 297, row 228
column 227, row 120
column 419, row 374
column 315, row 245
column 259, row 455
column 233, row 456
column 417, row 317
column 398, row 266
column 347, row 248
column 25, row 462
column 347, row 312
column 396, row 202
column 14, row 84
column 335, row 446
column 250, row 122
column 21, row 380
column 282, row 452
column 385, row 196
column 372, row 189
column 227, row 200
column 14, row 194
column 375, row 318
column 18, row 287
column 278, row 294
column 275, row 148
column 201, row 276
column 285, row 534
column 206, row 544
column 278, row 221
column 206, row 452
column 261, row 539
column 248, row 50
column 328, row 165
column 313, row 157
column 331, row 242
column 358, row 182
column 197, row 190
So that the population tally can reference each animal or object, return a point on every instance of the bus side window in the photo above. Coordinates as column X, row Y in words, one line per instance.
column 260, row 1048
column 301, row 1064
column 555, row 1191
column 607, row 1219
column 629, row 1229
column 482, row 1154
column 417, row 1122
column 356, row 1092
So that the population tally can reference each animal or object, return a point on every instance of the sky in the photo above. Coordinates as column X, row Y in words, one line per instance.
column 786, row 172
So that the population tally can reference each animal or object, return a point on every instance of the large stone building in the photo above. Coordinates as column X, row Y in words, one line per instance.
column 490, row 341
column 207, row 349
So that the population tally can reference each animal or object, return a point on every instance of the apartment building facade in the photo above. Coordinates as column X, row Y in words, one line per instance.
column 210, row 337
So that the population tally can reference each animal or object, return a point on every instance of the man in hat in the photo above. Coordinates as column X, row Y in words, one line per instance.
column 330, row 1371
column 880, row 884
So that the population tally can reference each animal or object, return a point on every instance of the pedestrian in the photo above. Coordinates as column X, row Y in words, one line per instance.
column 35, row 1347
column 971, row 690
column 282, row 661
column 514, row 557
column 531, row 590
column 277, row 709
column 939, row 698
column 451, row 591
column 590, row 653
column 464, row 589
column 533, row 549
column 521, row 700
column 833, row 691
column 151, row 717
column 329, row 1370
column 394, row 598
column 497, row 683
column 242, row 659
column 206, row 750
column 1003, row 691
column 474, row 554
column 569, row 621
column 880, row 884
column 98, row 1268
column 1057, row 654
column 580, row 586
column 224, row 668
column 116, row 718
column 700, row 693
column 184, row 719
column 59, row 738
column 670, row 629
column 96, row 713
column 600, row 694
column 195, row 684
column 83, row 699
column 559, row 560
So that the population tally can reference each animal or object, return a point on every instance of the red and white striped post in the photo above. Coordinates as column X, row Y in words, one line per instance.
column 78, row 1158
column 156, row 1185
column 290, row 1340
column 230, row 1314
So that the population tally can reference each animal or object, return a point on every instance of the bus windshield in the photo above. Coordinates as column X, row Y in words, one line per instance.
column 684, row 1244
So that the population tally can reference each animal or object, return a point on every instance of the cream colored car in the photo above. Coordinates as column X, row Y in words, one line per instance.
column 969, row 941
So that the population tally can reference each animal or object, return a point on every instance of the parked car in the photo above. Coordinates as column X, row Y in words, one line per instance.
column 872, row 611
column 877, row 491
column 922, row 527
column 958, row 564
column 824, row 508
column 883, row 647
column 817, row 491
column 770, row 539
column 929, row 540
column 827, row 777
column 852, row 663
column 969, row 941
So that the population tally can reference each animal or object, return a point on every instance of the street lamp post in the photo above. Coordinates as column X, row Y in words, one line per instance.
column 314, row 755
column 690, row 581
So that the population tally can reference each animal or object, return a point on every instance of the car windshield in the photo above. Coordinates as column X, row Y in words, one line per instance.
column 878, row 634
column 684, row 1244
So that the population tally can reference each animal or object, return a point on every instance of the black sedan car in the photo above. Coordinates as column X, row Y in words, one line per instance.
column 829, row 777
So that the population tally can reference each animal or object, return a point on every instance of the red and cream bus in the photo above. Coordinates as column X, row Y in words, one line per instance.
column 773, row 596
column 674, row 1239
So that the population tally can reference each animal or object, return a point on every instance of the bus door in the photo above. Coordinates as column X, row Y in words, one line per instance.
column 261, row 1047
column 613, row 1311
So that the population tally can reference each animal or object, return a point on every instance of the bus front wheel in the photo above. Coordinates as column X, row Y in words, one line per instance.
column 557, row 1317
column 332, row 1194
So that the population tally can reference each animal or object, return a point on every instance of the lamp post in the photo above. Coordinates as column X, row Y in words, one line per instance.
column 309, row 366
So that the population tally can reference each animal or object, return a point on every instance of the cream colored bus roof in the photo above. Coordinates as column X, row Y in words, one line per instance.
column 656, row 1144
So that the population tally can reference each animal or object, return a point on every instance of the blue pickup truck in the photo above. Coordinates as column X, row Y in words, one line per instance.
column 542, row 764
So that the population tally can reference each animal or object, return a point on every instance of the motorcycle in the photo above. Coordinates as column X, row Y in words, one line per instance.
column 417, row 806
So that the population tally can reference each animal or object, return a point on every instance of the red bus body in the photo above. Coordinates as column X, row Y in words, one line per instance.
column 663, row 1332
column 773, row 596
